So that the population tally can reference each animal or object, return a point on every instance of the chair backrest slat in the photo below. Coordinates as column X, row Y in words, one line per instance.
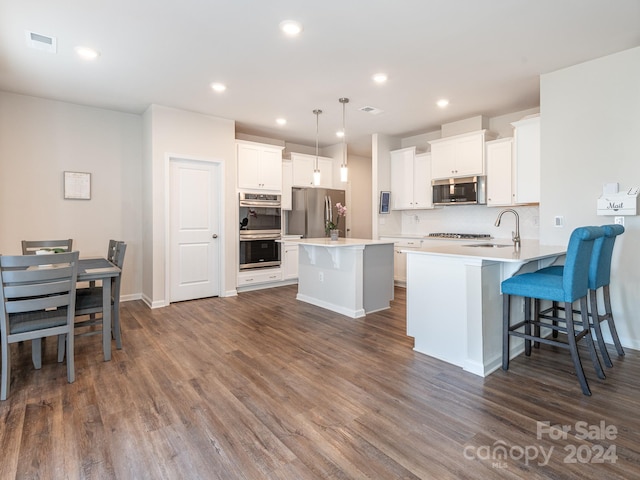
column 45, row 287
column 38, row 303
column 26, row 289
column 111, row 251
column 118, row 257
column 29, row 247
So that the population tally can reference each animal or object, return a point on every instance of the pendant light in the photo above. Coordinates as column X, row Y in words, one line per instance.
column 344, row 172
column 316, row 170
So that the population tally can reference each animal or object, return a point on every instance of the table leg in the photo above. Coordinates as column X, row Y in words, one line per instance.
column 106, row 319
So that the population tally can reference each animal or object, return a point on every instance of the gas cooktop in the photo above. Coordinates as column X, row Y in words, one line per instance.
column 464, row 236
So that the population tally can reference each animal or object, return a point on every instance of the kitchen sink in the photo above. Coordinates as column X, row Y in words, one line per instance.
column 490, row 245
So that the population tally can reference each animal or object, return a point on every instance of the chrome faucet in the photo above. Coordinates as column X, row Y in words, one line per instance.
column 515, row 236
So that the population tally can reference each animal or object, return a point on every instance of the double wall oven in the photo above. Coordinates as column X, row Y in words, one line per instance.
column 260, row 228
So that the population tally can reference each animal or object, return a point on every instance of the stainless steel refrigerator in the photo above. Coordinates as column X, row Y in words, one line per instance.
column 311, row 209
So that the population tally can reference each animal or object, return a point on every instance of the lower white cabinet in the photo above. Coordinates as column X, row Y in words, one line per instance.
column 258, row 276
column 290, row 261
column 400, row 259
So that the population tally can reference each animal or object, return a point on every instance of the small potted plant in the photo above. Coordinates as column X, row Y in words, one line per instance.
column 332, row 228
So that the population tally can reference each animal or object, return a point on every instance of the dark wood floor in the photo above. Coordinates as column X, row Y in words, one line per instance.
column 264, row 387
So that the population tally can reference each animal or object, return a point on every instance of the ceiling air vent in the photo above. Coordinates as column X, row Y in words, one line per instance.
column 41, row 42
column 371, row 110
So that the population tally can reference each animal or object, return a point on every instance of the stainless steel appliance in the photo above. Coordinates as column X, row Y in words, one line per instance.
column 460, row 191
column 311, row 209
column 260, row 227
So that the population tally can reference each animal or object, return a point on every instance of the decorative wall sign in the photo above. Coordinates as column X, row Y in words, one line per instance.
column 77, row 185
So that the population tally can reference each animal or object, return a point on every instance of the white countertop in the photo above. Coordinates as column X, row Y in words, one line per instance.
column 341, row 242
column 529, row 250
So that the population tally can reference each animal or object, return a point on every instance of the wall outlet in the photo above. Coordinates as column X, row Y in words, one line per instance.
column 321, row 276
column 619, row 221
column 558, row 221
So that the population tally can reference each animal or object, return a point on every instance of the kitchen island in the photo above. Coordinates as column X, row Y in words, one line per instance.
column 454, row 303
column 349, row 276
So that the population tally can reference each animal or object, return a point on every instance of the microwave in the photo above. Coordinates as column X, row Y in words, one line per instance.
column 460, row 191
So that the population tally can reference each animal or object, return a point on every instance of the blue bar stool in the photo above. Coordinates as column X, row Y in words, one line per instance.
column 567, row 288
column 599, row 277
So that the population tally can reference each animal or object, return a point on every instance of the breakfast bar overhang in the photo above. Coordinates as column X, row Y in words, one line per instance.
column 349, row 276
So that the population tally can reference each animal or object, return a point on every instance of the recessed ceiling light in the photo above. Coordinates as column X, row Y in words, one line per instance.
column 380, row 77
column 87, row 53
column 340, row 133
column 281, row 121
column 219, row 87
column 443, row 102
column 291, row 27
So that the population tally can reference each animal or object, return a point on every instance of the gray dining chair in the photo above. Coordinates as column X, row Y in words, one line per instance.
column 29, row 247
column 89, row 302
column 37, row 300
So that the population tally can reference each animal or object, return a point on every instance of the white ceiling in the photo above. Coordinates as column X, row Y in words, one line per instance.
column 484, row 55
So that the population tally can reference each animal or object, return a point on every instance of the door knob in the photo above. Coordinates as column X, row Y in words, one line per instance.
column 215, row 235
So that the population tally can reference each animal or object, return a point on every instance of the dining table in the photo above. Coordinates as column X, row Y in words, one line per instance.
column 101, row 269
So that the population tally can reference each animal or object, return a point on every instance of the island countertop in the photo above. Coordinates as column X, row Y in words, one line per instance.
column 341, row 242
column 505, row 252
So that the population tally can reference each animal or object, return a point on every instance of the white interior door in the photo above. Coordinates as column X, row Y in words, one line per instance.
column 194, row 229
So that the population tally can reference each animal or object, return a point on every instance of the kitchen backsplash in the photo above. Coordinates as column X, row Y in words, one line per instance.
column 471, row 219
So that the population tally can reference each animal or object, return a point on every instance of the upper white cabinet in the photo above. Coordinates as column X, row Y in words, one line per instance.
column 410, row 180
column 259, row 166
column 527, row 160
column 303, row 166
column 513, row 166
column 499, row 172
column 459, row 155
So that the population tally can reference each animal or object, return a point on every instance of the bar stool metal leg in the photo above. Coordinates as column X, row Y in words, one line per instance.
column 506, row 306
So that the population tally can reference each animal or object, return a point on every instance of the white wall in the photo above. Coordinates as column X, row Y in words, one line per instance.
column 391, row 223
column 39, row 140
column 590, row 133
column 185, row 135
column 359, row 207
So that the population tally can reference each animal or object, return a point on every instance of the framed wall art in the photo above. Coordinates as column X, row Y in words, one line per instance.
column 77, row 186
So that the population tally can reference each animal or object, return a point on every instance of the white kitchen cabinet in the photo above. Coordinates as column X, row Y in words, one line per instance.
column 400, row 258
column 259, row 166
column 513, row 166
column 303, row 167
column 410, row 180
column 459, row 155
column 287, row 183
column 290, row 261
column 527, row 160
column 499, row 172
column 259, row 276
